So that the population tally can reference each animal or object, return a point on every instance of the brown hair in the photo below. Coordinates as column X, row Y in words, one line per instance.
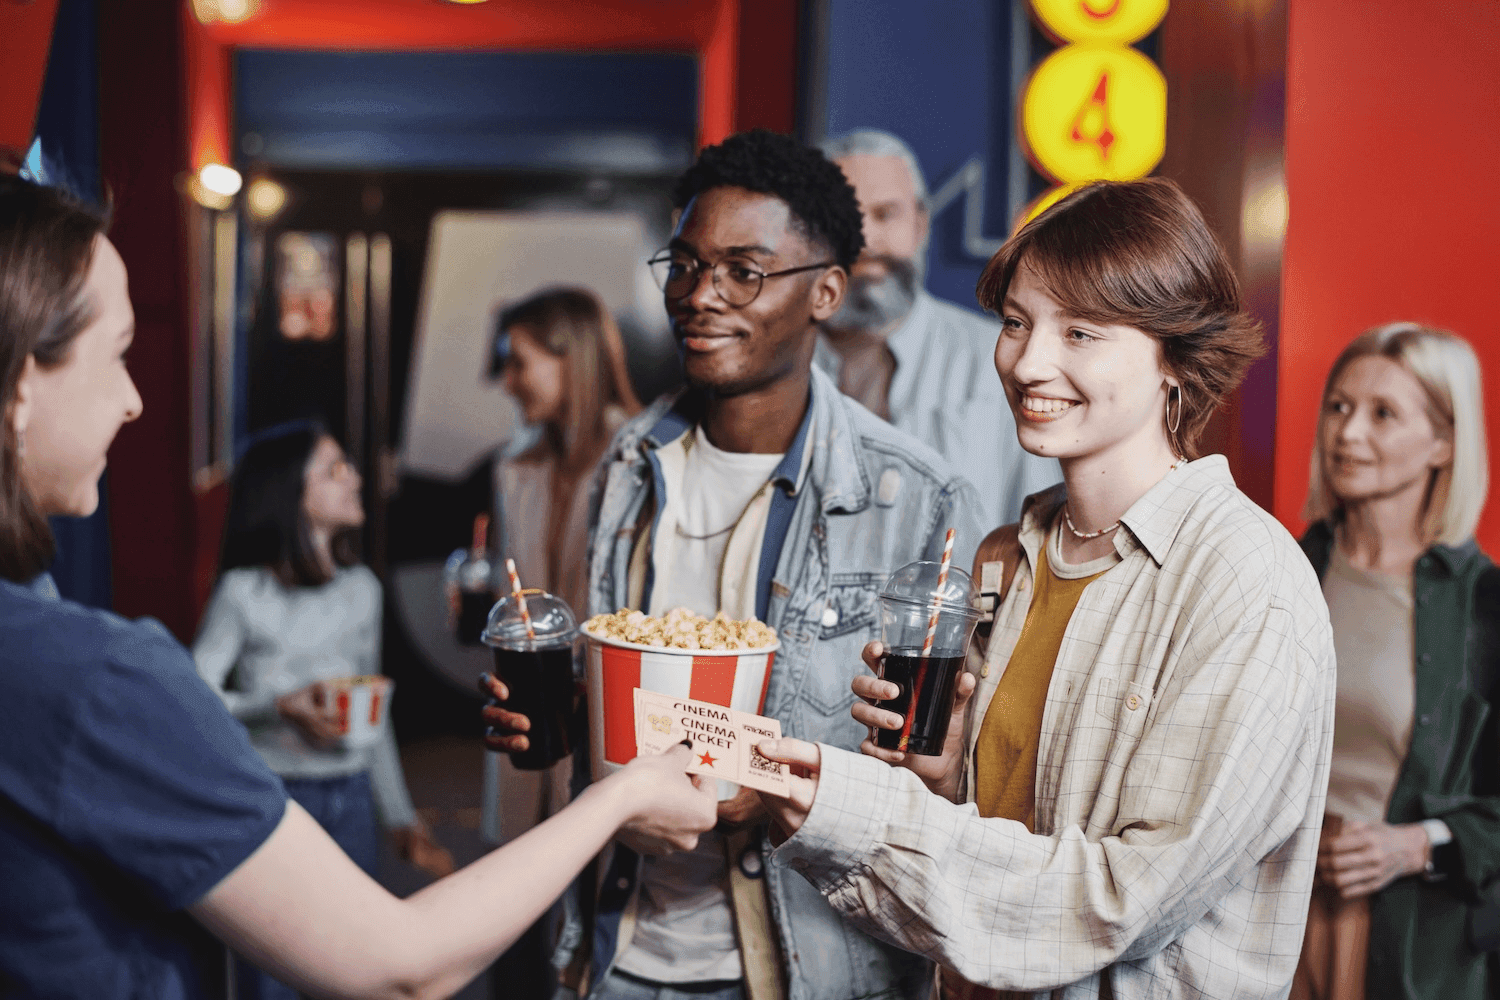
column 1138, row 253
column 573, row 324
column 47, row 241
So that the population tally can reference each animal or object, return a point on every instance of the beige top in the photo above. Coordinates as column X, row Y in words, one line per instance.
column 1372, row 638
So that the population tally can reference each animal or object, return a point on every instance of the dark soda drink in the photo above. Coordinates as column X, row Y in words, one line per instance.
column 473, row 612
column 938, row 685
column 541, row 688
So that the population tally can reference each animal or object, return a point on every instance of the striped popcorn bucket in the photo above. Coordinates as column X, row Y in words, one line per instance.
column 362, row 704
column 736, row 679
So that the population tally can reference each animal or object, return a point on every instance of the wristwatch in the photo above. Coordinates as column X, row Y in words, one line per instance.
column 1438, row 835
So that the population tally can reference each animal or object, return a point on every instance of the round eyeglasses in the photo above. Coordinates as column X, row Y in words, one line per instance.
column 738, row 281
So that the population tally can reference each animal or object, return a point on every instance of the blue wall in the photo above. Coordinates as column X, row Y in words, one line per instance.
column 466, row 110
column 939, row 76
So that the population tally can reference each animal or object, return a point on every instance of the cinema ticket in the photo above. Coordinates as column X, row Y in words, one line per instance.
column 723, row 740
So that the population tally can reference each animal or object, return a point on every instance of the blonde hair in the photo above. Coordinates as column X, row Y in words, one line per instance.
column 1448, row 371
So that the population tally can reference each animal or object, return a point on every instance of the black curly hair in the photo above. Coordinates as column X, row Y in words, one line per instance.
column 820, row 197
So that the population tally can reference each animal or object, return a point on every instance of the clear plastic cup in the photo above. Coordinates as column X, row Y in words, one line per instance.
column 910, row 603
column 538, row 671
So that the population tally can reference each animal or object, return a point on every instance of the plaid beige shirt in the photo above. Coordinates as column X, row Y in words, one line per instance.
column 1179, row 790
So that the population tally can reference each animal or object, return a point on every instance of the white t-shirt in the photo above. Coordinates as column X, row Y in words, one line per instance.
column 684, row 931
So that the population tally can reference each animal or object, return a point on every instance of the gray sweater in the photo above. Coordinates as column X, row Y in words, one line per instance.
column 277, row 639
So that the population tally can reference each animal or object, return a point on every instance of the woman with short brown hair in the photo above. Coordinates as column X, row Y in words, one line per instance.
column 1128, row 800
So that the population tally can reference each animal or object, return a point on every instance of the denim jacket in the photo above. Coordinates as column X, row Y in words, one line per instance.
column 872, row 499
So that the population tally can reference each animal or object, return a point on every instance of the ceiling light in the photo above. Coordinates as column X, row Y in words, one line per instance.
column 265, row 198
column 219, row 179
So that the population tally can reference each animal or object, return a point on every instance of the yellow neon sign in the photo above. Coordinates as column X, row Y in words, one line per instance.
column 1113, row 21
column 1095, row 112
column 1095, row 109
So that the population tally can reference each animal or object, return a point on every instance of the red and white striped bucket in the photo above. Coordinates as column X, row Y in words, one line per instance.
column 362, row 704
column 736, row 679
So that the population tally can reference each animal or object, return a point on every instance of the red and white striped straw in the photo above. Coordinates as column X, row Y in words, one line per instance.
column 516, row 592
column 932, row 623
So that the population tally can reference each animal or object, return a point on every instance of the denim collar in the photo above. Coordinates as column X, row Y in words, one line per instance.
column 686, row 411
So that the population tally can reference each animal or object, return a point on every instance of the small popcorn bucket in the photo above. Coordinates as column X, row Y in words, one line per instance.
column 362, row 704
column 735, row 678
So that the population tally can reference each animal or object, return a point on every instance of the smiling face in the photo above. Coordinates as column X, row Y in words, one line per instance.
column 535, row 376
column 1376, row 436
column 733, row 350
column 69, row 414
column 330, row 491
column 1079, row 388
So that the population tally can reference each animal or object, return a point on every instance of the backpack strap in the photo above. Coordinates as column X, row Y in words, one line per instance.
column 995, row 566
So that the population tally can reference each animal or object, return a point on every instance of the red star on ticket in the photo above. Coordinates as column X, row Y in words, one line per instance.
column 705, row 759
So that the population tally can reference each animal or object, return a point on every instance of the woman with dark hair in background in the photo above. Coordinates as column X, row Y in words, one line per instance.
column 136, row 820
column 294, row 609
column 1129, row 797
column 1411, row 838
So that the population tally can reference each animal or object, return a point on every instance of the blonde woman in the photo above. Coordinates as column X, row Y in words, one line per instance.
column 561, row 356
column 1412, row 832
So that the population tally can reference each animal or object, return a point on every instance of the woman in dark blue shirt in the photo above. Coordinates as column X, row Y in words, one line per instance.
column 136, row 821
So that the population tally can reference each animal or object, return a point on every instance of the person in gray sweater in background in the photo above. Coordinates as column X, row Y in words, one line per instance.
column 294, row 609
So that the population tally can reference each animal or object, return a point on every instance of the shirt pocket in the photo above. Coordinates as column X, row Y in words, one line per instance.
column 1122, row 707
column 848, row 620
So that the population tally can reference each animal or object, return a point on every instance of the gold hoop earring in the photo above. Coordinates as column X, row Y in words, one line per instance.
column 1172, row 425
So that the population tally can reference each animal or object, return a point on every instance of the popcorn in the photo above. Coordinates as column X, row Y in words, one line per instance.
column 681, row 628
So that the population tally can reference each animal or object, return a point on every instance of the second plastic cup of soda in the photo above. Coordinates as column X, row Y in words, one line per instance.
column 534, row 657
column 912, row 607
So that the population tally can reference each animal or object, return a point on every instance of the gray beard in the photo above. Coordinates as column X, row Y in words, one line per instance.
column 873, row 304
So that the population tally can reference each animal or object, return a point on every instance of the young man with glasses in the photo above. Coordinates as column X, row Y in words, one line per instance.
column 761, row 491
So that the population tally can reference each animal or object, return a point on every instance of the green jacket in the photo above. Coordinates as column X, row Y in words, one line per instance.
column 1419, row 943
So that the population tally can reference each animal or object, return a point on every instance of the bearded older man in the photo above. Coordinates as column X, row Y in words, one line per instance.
column 923, row 364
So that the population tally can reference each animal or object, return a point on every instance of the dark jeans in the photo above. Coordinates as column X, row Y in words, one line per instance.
column 344, row 808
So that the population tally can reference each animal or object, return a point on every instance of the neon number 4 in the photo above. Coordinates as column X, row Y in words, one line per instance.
column 1091, row 124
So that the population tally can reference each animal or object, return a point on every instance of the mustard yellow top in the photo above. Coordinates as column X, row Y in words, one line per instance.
column 1006, row 751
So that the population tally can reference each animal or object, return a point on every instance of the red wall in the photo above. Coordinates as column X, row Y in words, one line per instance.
column 1393, row 175
column 25, row 36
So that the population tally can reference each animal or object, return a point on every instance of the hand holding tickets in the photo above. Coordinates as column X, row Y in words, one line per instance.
column 724, row 741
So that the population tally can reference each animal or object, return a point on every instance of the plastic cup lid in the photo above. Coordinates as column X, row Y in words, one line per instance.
column 916, row 584
column 552, row 623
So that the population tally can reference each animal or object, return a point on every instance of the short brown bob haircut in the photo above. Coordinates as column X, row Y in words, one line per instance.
column 1138, row 253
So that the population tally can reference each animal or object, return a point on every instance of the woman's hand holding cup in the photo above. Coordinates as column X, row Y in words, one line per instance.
column 939, row 773
column 312, row 711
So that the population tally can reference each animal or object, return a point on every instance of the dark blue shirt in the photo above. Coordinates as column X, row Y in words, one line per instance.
column 127, row 792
